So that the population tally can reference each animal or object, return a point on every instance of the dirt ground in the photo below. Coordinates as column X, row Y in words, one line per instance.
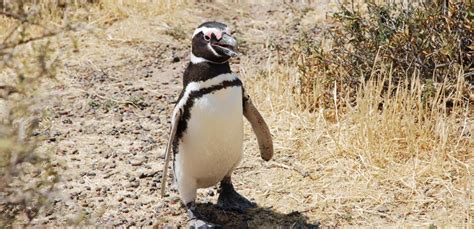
column 108, row 118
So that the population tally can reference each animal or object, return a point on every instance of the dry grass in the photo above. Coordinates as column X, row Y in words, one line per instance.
column 369, row 158
column 390, row 159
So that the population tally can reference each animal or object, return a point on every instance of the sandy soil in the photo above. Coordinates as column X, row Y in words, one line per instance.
column 109, row 115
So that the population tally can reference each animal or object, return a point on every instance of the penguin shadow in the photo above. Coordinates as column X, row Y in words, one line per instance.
column 255, row 218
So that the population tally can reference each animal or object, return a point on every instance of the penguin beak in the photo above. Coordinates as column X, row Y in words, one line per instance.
column 226, row 45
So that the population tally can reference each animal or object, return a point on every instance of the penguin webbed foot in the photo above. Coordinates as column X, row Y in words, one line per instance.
column 229, row 199
column 196, row 220
column 201, row 224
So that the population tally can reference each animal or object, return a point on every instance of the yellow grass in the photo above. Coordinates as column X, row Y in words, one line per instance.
column 402, row 163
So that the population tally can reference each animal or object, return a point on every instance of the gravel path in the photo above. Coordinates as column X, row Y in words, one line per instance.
column 109, row 118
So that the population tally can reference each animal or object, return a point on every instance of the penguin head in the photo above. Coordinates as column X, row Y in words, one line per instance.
column 212, row 42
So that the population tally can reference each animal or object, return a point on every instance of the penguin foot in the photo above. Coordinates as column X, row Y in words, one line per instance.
column 201, row 224
column 231, row 200
column 196, row 220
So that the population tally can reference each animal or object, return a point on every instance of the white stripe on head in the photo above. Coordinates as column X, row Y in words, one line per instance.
column 212, row 50
column 207, row 31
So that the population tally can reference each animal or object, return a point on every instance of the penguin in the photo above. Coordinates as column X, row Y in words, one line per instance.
column 206, row 135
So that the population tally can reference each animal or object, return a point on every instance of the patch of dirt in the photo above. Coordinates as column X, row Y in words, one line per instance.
column 109, row 118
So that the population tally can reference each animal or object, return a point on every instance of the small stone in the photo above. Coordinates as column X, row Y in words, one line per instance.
column 67, row 121
column 117, row 223
column 134, row 184
column 136, row 162
column 159, row 207
column 124, row 210
column 210, row 192
column 382, row 208
column 173, row 200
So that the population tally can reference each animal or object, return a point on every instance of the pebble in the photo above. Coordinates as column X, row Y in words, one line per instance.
column 158, row 207
column 382, row 208
column 133, row 184
column 136, row 162
column 117, row 223
column 124, row 210
column 210, row 192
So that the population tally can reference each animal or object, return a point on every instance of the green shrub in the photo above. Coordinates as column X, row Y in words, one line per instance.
column 409, row 39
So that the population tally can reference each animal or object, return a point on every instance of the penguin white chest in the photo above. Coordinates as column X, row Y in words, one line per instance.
column 211, row 146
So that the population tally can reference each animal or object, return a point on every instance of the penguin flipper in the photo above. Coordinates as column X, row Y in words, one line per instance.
column 174, row 126
column 260, row 128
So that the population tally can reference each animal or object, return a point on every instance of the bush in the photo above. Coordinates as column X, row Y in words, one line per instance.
column 413, row 40
column 28, row 57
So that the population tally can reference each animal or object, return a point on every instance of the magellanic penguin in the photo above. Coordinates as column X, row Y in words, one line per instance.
column 207, row 123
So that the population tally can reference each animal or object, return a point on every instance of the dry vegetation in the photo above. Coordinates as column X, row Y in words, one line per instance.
column 28, row 56
column 362, row 136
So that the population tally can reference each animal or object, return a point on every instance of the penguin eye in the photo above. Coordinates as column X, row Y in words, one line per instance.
column 207, row 38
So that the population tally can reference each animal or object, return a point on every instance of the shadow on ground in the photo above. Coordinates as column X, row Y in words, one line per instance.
column 258, row 217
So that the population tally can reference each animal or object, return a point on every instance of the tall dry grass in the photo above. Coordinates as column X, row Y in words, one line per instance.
column 390, row 158
column 373, row 143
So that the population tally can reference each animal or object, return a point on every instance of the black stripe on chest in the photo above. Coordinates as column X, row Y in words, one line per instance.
column 193, row 96
column 204, row 71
